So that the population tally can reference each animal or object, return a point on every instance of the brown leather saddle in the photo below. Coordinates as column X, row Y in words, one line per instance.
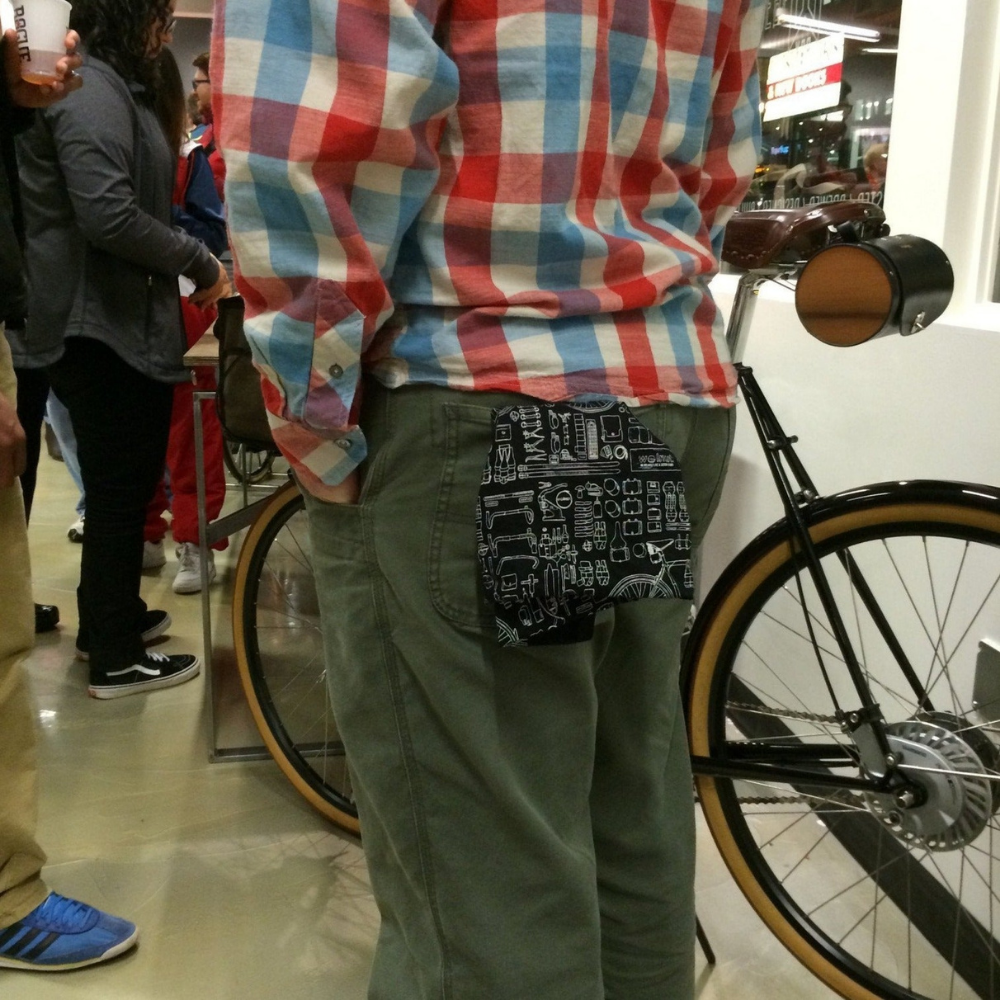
column 770, row 236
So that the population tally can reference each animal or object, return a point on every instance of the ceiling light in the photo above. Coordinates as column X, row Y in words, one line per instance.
column 828, row 27
column 881, row 51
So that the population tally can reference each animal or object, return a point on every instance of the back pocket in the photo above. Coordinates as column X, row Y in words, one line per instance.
column 454, row 573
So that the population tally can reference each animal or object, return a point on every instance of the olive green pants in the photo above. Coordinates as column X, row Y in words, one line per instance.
column 527, row 812
column 21, row 859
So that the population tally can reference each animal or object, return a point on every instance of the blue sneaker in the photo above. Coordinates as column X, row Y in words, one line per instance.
column 64, row 934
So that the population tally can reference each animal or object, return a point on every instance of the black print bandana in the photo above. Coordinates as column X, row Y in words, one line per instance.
column 581, row 507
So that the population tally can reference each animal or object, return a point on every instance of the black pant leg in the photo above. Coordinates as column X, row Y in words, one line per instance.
column 121, row 419
column 32, row 392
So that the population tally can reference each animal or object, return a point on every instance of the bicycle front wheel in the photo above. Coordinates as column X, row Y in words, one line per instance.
column 879, row 898
column 279, row 651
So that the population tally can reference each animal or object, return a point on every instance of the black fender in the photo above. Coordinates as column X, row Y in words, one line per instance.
column 971, row 495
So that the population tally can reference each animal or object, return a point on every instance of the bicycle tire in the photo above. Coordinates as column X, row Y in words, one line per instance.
column 827, row 871
column 259, row 463
column 279, row 652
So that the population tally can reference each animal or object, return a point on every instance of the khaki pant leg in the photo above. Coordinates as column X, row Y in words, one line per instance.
column 21, row 859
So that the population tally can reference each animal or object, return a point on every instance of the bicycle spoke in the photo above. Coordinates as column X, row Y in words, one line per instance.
column 781, row 681
column 834, row 653
column 909, row 595
column 959, row 909
column 297, row 677
column 984, row 879
column 812, row 847
column 306, row 556
column 302, row 559
column 864, row 889
column 991, row 725
column 945, row 770
column 861, row 880
column 990, row 883
column 979, row 610
column 878, row 859
column 940, row 656
column 306, row 623
column 816, row 620
column 282, row 636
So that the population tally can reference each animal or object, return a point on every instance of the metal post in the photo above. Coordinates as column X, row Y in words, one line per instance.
column 744, row 304
column 206, row 607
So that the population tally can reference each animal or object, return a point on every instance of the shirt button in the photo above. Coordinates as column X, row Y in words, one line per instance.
column 344, row 443
column 336, row 371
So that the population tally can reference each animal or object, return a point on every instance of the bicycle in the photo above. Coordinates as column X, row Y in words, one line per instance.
column 247, row 465
column 844, row 738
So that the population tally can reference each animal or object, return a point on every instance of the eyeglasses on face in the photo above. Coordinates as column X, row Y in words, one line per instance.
column 198, row 80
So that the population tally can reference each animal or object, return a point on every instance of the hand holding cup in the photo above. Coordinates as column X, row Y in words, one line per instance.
column 40, row 53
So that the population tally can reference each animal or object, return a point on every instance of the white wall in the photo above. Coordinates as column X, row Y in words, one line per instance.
column 192, row 36
column 194, row 8
column 924, row 406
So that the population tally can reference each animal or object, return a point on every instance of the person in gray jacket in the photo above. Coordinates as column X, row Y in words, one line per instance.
column 40, row 930
column 104, row 316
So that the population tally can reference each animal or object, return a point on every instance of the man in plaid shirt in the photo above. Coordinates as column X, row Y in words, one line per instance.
column 438, row 208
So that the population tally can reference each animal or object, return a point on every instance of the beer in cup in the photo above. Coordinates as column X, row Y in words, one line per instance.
column 41, row 27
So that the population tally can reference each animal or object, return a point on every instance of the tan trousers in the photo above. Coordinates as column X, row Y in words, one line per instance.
column 21, row 859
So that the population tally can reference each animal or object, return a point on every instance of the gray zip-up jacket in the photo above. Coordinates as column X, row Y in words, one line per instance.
column 97, row 177
column 12, row 289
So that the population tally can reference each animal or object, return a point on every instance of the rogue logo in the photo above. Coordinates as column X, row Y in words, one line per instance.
column 20, row 26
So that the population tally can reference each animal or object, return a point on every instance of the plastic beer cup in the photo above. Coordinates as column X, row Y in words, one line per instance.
column 41, row 27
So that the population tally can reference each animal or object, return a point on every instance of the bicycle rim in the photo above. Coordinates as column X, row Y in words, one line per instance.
column 259, row 464
column 279, row 646
column 877, row 900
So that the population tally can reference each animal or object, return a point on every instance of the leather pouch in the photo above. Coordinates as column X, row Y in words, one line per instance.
column 239, row 401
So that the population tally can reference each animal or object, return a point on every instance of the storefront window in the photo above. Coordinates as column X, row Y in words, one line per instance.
column 828, row 70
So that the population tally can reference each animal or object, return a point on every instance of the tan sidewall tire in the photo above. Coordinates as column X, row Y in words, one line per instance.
column 700, row 695
column 288, row 494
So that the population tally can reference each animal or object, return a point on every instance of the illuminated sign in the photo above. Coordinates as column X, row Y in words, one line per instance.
column 805, row 79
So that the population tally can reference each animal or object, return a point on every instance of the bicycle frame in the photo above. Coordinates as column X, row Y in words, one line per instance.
column 864, row 724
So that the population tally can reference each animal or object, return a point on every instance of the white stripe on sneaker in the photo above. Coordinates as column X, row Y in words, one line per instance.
column 139, row 668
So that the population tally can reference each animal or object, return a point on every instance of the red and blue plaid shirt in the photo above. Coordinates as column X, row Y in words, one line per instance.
column 515, row 195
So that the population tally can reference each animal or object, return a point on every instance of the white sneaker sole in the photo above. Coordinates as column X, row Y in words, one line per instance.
column 112, row 952
column 108, row 691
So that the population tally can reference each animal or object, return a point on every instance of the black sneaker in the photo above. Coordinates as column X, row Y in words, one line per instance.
column 152, row 672
column 46, row 618
column 154, row 624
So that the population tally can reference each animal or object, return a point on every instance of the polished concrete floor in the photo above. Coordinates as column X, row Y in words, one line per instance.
column 239, row 888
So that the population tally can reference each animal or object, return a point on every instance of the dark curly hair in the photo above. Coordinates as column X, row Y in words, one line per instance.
column 117, row 31
column 168, row 99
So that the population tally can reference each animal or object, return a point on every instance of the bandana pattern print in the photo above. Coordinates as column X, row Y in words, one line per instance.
column 581, row 507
